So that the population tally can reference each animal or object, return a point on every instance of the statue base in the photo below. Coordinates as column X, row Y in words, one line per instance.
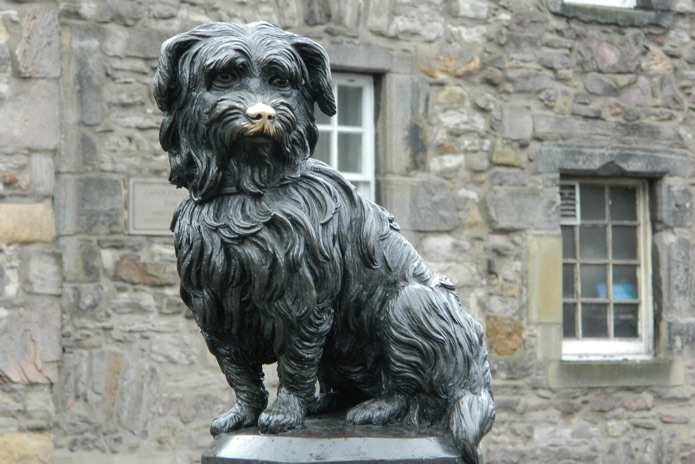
column 328, row 439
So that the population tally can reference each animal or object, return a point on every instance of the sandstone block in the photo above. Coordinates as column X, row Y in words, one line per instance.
column 505, row 336
column 81, row 260
column 26, row 448
column 516, row 208
column 44, row 275
column 89, row 205
column 26, row 222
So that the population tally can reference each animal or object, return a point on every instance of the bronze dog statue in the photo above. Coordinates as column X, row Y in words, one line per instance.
column 281, row 260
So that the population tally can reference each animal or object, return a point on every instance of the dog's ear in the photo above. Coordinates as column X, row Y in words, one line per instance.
column 316, row 61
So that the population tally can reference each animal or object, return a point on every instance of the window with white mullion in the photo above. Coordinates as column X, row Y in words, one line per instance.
column 606, row 302
column 346, row 140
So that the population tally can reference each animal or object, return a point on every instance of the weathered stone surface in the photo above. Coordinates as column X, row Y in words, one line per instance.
column 26, row 222
column 32, row 347
column 44, row 275
column 508, row 154
column 673, row 261
column 515, row 208
column 26, row 448
column 89, row 205
column 609, row 53
column 423, row 204
column 81, row 260
column 599, row 84
column 38, row 53
column 30, row 118
column 674, row 206
column 517, row 123
column 131, row 269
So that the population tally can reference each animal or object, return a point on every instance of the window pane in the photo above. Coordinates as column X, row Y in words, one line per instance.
column 593, row 202
column 592, row 242
column 594, row 320
column 594, row 281
column 349, row 106
column 623, row 204
column 624, row 242
column 568, row 248
column 568, row 281
column 569, row 320
column 321, row 118
column 624, row 282
column 625, row 318
column 323, row 148
column 350, row 152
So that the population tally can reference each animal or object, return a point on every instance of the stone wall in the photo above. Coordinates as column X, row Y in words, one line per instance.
column 481, row 105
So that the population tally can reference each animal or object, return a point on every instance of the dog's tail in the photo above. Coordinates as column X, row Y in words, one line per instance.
column 472, row 408
column 470, row 417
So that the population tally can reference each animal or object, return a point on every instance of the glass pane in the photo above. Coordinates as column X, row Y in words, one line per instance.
column 349, row 106
column 624, row 242
column 623, row 203
column 594, row 320
column 568, row 248
column 593, row 202
column 323, row 148
column 569, row 320
column 350, row 152
column 592, row 242
column 624, row 282
column 594, row 281
column 321, row 118
column 568, row 281
column 625, row 318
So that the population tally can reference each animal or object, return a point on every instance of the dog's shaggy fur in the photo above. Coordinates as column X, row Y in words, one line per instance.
column 281, row 260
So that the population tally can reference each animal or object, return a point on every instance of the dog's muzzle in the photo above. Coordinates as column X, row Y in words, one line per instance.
column 261, row 117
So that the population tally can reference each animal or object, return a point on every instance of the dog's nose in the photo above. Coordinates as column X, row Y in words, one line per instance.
column 260, row 113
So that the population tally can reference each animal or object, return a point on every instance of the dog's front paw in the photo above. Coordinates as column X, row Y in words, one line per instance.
column 286, row 413
column 237, row 417
column 378, row 411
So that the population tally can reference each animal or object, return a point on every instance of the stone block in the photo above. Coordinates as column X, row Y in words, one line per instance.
column 131, row 269
column 545, row 279
column 26, row 223
column 30, row 118
column 505, row 335
column 26, row 448
column 31, row 346
column 81, row 260
column 421, row 204
column 599, row 84
column 673, row 270
column 92, row 205
column 38, row 53
column 674, row 206
column 473, row 9
column 518, row 208
column 367, row 58
column 84, row 300
column 401, row 139
column 508, row 154
column 44, row 274
column 124, row 12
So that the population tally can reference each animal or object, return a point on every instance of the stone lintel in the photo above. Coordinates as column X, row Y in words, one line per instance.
column 625, row 17
column 612, row 160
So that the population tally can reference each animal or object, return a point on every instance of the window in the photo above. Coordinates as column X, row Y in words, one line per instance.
column 346, row 140
column 614, row 3
column 606, row 291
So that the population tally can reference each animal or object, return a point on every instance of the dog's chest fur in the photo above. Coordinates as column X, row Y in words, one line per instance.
column 248, row 261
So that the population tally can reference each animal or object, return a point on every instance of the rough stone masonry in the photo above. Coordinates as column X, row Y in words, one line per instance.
column 481, row 105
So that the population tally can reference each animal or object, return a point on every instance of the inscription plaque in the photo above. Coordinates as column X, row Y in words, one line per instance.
column 151, row 204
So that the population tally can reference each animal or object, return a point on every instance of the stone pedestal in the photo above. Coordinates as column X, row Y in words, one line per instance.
column 330, row 440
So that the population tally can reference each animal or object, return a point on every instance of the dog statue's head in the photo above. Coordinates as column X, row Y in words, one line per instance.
column 238, row 104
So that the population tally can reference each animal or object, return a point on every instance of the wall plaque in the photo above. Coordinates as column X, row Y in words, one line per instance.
column 151, row 204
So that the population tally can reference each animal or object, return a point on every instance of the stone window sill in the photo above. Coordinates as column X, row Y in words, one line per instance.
column 647, row 373
column 605, row 15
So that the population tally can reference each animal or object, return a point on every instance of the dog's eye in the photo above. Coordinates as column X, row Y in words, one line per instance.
column 224, row 78
column 279, row 81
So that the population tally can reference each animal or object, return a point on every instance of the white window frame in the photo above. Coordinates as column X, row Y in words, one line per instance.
column 642, row 348
column 608, row 3
column 365, row 179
